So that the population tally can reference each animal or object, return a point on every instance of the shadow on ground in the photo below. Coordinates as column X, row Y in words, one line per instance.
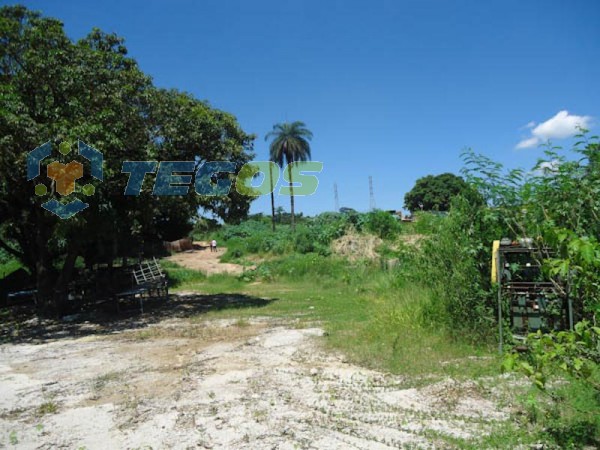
column 23, row 325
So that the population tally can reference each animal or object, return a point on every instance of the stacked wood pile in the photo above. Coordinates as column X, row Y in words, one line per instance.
column 180, row 245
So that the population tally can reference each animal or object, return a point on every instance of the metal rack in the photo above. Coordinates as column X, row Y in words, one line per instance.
column 534, row 303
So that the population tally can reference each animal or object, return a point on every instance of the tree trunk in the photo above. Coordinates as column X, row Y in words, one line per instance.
column 60, row 288
column 272, row 197
column 292, row 198
column 43, row 271
column 43, row 282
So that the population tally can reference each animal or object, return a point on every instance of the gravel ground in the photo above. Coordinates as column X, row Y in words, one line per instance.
column 182, row 383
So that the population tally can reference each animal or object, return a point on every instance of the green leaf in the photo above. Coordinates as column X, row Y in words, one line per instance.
column 527, row 368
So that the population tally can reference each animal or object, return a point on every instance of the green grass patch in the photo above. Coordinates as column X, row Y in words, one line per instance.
column 372, row 316
column 179, row 276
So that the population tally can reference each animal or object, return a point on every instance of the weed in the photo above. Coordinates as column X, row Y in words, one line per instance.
column 260, row 415
column 49, row 407
column 242, row 323
column 100, row 382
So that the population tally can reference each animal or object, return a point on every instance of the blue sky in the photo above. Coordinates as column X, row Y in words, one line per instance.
column 392, row 89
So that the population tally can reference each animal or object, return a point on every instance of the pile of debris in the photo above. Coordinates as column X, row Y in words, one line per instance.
column 355, row 246
column 180, row 245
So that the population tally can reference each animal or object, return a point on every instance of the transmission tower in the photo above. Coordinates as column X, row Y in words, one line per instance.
column 371, row 194
column 337, row 199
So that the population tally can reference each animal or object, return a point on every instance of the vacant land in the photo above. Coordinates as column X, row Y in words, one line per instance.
column 303, row 352
column 197, row 381
column 205, row 261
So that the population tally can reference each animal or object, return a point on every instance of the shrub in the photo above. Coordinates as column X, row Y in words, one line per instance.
column 454, row 264
column 382, row 224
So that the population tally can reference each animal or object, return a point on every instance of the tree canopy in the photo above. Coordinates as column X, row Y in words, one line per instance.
column 434, row 192
column 54, row 89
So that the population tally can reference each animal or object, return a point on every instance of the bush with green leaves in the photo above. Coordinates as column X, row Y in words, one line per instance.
column 312, row 235
column 569, row 411
column 382, row 224
column 454, row 264
column 557, row 204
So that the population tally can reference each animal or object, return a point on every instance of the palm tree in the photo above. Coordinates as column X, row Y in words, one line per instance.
column 289, row 144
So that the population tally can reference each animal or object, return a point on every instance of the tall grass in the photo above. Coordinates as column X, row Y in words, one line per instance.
column 179, row 276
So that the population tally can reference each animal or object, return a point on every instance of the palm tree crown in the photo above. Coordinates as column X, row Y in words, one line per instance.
column 290, row 142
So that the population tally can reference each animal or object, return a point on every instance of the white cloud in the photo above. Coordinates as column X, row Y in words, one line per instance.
column 528, row 143
column 548, row 167
column 561, row 126
column 528, row 125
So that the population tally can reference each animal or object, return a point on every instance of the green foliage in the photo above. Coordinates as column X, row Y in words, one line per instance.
column 454, row 263
column 55, row 89
column 312, row 235
column 290, row 142
column 434, row 192
column 427, row 222
column 179, row 276
column 556, row 204
column 578, row 261
column 9, row 267
column 203, row 227
column 382, row 224
column 256, row 237
column 308, row 265
column 576, row 353
column 49, row 407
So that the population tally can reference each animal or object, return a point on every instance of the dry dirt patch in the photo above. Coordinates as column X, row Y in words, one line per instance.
column 207, row 262
column 225, row 384
column 355, row 246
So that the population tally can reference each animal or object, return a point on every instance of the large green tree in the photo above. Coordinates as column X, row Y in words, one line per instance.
column 434, row 192
column 54, row 89
column 290, row 143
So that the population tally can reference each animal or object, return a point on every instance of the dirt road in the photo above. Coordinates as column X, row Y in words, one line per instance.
column 184, row 382
column 207, row 262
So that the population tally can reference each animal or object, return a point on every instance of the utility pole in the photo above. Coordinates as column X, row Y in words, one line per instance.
column 336, row 197
column 371, row 194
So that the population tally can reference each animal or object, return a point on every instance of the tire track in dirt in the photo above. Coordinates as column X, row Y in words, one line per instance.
column 224, row 384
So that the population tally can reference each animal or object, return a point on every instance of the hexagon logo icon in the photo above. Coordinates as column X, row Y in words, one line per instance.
column 63, row 176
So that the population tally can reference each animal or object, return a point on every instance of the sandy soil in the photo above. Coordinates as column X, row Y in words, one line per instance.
column 207, row 262
column 185, row 382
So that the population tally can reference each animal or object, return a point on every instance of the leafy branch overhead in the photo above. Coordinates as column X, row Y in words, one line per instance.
column 55, row 89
